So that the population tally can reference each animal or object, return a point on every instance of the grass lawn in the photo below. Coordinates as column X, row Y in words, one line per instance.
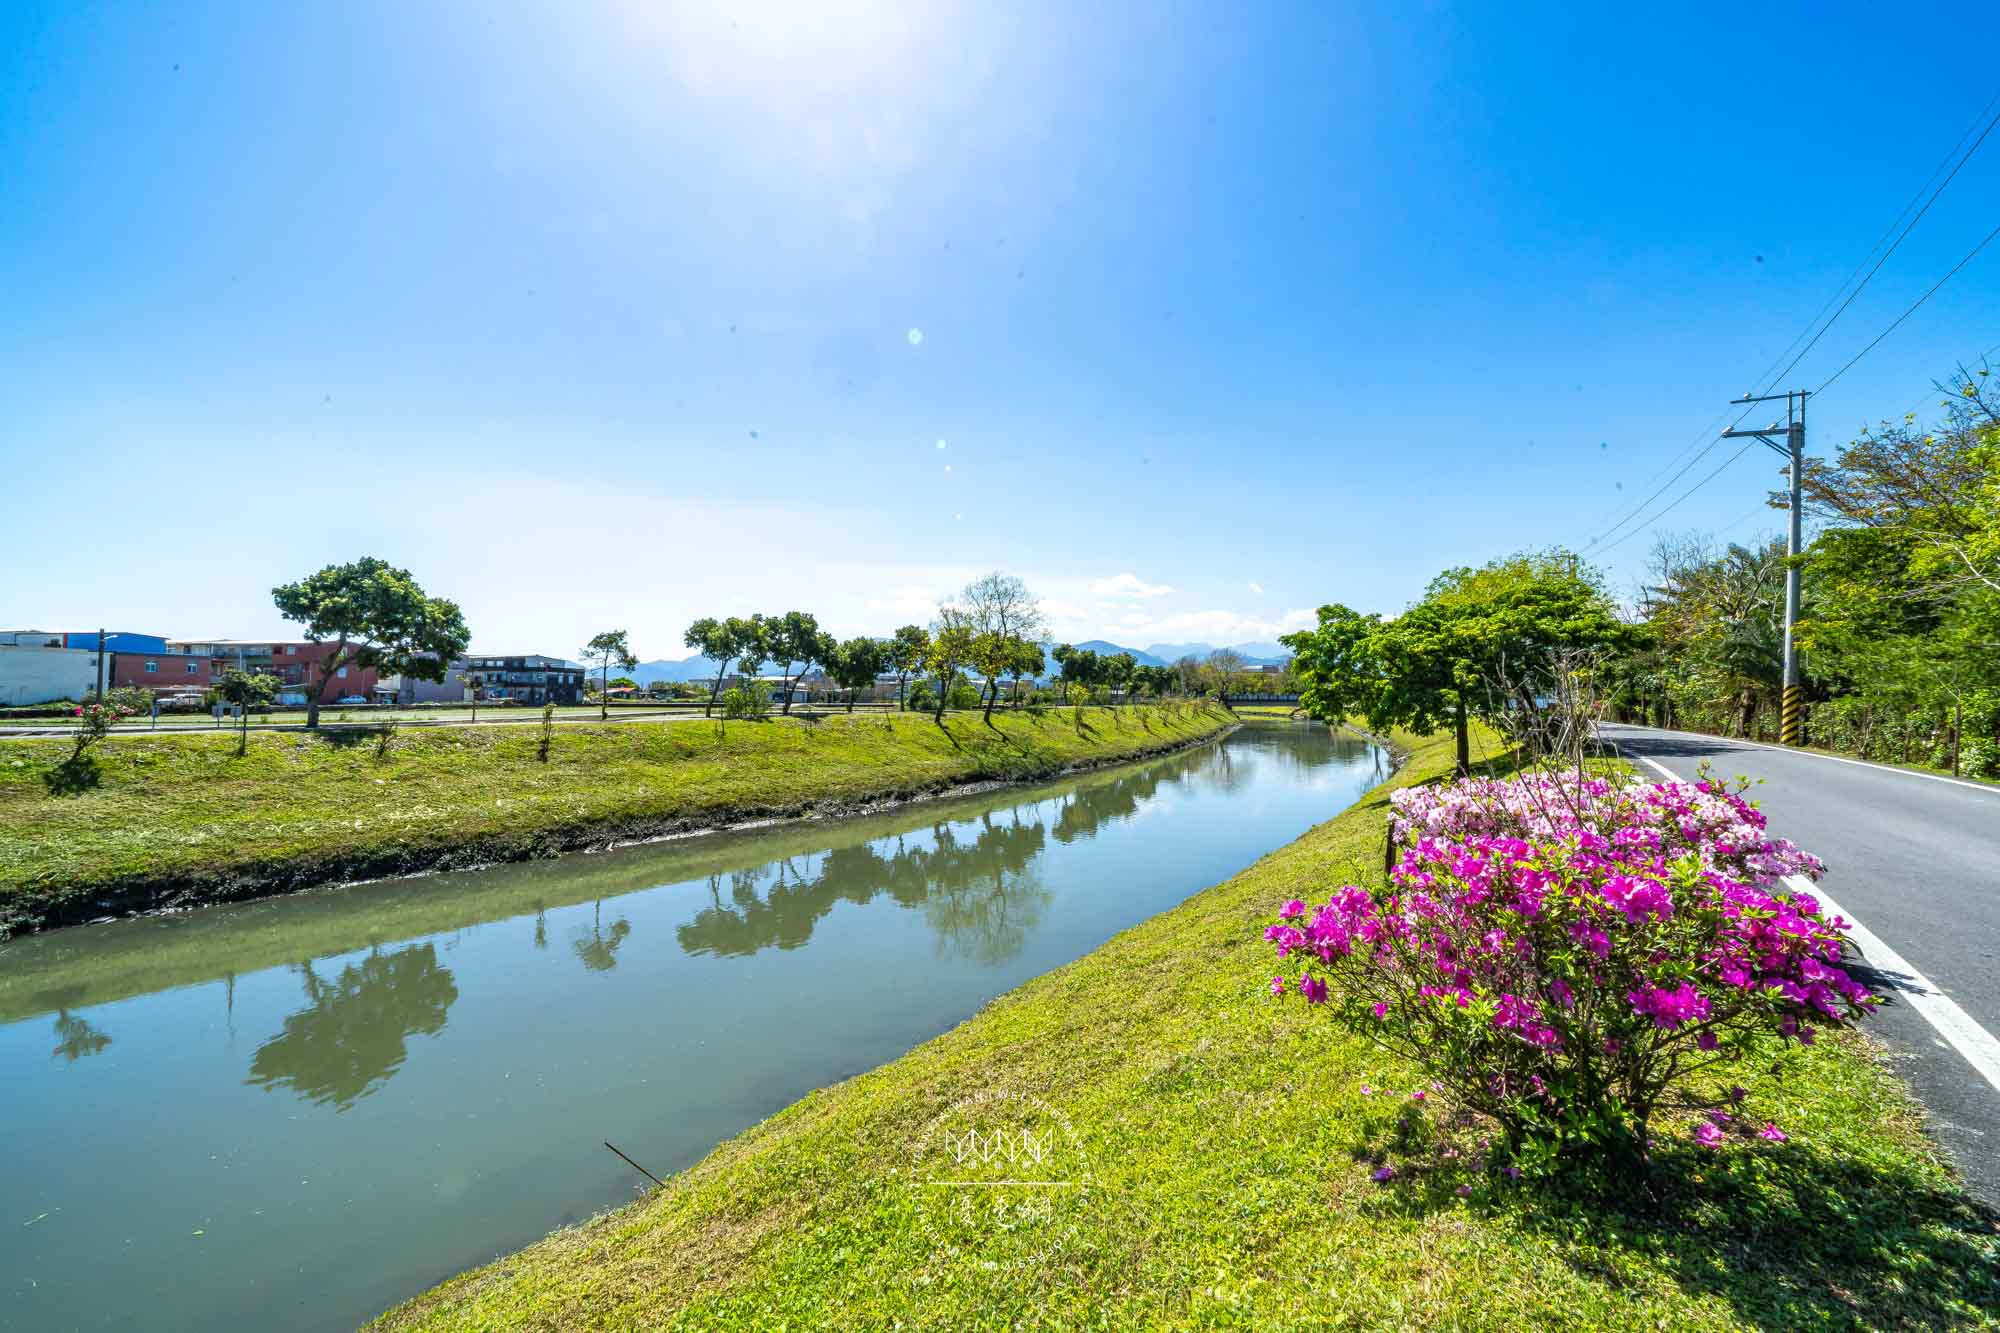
column 1215, row 1150
column 184, row 818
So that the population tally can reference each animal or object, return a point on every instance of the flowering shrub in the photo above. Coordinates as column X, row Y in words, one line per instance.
column 1563, row 950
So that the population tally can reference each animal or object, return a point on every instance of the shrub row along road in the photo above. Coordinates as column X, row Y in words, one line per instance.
column 1915, row 860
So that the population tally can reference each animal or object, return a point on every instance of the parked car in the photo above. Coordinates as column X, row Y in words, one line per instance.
column 352, row 699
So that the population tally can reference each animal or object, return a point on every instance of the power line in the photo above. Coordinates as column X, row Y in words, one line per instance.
column 1683, row 496
column 1969, row 257
column 1995, row 120
column 1991, row 122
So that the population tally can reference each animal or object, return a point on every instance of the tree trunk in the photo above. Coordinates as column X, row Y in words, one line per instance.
column 992, row 693
column 1464, row 734
column 603, row 695
column 326, row 670
column 944, row 692
column 1747, row 714
column 715, row 692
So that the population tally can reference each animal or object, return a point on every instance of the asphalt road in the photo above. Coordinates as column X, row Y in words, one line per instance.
column 1916, row 861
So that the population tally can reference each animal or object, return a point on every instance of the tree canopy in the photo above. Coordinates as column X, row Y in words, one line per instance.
column 378, row 617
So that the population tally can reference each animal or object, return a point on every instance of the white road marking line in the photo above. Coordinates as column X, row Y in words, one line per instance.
column 1956, row 1026
column 1986, row 787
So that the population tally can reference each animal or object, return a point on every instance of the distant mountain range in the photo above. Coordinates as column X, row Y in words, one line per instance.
column 1166, row 654
column 1160, row 654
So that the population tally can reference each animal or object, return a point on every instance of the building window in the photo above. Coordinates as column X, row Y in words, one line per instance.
column 342, row 673
column 152, row 666
column 192, row 669
column 291, row 650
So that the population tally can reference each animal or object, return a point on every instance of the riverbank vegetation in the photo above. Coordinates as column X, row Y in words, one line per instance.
column 190, row 818
column 1221, row 1158
column 1899, row 615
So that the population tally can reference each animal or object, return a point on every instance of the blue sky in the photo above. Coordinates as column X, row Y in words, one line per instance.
column 603, row 316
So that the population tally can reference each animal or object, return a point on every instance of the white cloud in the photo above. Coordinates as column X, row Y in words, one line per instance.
column 1257, row 588
column 907, row 602
column 1057, row 609
column 1218, row 627
column 1129, row 585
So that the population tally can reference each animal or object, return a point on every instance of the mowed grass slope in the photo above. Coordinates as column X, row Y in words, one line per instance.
column 1230, row 1149
column 184, row 818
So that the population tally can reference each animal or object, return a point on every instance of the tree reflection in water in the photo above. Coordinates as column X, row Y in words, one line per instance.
column 78, row 1037
column 598, row 947
column 350, row 1037
column 973, row 880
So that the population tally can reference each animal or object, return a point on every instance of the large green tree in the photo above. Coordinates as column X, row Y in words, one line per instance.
column 908, row 651
column 854, row 665
column 723, row 642
column 1471, row 647
column 793, row 640
column 377, row 617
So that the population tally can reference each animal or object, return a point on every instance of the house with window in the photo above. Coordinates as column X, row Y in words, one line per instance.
column 295, row 662
column 525, row 678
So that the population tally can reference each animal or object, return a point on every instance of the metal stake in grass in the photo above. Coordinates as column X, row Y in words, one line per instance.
column 636, row 1167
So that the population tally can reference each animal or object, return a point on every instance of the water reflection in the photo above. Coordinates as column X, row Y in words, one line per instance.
column 78, row 1037
column 974, row 880
column 596, row 946
column 349, row 1039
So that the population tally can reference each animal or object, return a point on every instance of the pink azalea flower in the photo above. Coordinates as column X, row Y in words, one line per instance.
column 1707, row 1134
column 1773, row 1133
column 1277, row 985
column 1381, row 1009
column 1464, row 1190
column 1385, row 1173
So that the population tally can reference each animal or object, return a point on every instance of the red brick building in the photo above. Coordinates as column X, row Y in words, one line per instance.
column 161, row 671
column 296, row 664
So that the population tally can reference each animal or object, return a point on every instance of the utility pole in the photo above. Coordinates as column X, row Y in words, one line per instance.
column 100, row 665
column 1790, row 717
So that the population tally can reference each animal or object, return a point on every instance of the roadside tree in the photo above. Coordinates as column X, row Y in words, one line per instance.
column 377, row 617
column 908, row 653
column 611, row 648
column 855, row 664
column 244, row 690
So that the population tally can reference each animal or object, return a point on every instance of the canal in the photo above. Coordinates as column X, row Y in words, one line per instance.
column 295, row 1113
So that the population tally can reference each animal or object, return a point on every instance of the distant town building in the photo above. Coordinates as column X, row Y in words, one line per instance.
column 36, row 668
column 526, row 678
column 295, row 663
column 116, row 641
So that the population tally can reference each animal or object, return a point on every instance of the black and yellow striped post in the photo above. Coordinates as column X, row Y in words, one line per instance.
column 1791, row 720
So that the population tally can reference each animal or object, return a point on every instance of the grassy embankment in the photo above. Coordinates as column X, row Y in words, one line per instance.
column 1229, row 1146
column 180, row 818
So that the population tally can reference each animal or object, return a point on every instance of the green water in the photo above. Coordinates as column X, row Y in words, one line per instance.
column 294, row 1113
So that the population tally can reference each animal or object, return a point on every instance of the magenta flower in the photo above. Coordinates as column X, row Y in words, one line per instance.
column 1292, row 908
column 1385, row 1173
column 1707, row 1040
column 1380, row 1009
column 1464, row 1190
column 1367, row 1091
column 1773, row 1133
column 1417, row 1096
column 1312, row 988
column 1277, row 985
column 1708, row 1134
